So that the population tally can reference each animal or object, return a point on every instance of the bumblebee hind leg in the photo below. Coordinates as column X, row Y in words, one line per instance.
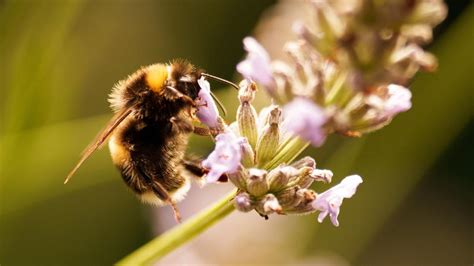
column 161, row 193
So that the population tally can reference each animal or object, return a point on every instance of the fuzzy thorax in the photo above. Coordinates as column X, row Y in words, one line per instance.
column 156, row 76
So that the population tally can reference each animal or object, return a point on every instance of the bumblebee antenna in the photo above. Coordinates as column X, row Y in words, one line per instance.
column 221, row 106
column 221, row 80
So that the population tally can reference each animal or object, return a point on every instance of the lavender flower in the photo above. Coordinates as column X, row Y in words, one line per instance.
column 337, row 61
column 341, row 77
column 225, row 159
column 207, row 109
column 257, row 64
column 266, row 182
column 330, row 201
column 395, row 99
column 305, row 119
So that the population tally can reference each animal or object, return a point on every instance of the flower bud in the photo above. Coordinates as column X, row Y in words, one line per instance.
column 419, row 33
column 322, row 175
column 430, row 12
column 268, row 205
column 247, row 91
column 269, row 140
column 304, row 179
column 284, row 81
column 305, row 205
column 279, row 177
column 427, row 61
column 248, row 155
column 257, row 184
column 243, row 203
column 304, row 32
column 246, row 114
column 414, row 54
column 288, row 198
column 307, row 195
column 329, row 23
column 239, row 178
column 304, row 162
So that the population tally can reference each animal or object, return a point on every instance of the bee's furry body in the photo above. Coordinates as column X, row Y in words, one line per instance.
column 154, row 114
column 148, row 146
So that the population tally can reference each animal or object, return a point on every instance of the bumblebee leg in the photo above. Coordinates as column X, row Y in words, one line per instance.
column 174, row 94
column 181, row 125
column 202, row 131
column 161, row 193
column 193, row 165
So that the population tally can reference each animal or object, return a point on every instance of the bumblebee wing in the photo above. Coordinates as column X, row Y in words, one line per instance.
column 100, row 139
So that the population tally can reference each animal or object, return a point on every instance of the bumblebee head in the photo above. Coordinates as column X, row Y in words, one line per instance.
column 184, row 77
column 179, row 75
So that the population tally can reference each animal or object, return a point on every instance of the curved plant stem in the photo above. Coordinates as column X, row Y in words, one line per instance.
column 172, row 239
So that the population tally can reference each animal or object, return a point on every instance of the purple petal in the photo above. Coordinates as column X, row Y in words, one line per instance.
column 394, row 100
column 257, row 64
column 225, row 158
column 305, row 119
column 399, row 100
column 329, row 202
column 322, row 215
column 207, row 111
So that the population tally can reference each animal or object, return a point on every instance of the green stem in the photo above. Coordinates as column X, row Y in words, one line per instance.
column 172, row 239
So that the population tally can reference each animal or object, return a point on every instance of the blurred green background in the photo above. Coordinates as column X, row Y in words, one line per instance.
column 58, row 61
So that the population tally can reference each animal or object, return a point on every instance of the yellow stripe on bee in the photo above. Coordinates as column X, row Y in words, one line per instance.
column 119, row 153
column 156, row 76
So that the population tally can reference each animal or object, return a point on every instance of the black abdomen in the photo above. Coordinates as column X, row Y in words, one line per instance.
column 149, row 156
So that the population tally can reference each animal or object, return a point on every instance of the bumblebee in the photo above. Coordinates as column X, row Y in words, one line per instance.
column 148, row 135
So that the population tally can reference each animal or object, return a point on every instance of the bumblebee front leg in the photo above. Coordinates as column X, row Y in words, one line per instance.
column 181, row 125
column 174, row 94
column 202, row 131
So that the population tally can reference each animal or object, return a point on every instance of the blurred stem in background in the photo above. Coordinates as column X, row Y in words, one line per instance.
column 29, row 56
column 182, row 233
